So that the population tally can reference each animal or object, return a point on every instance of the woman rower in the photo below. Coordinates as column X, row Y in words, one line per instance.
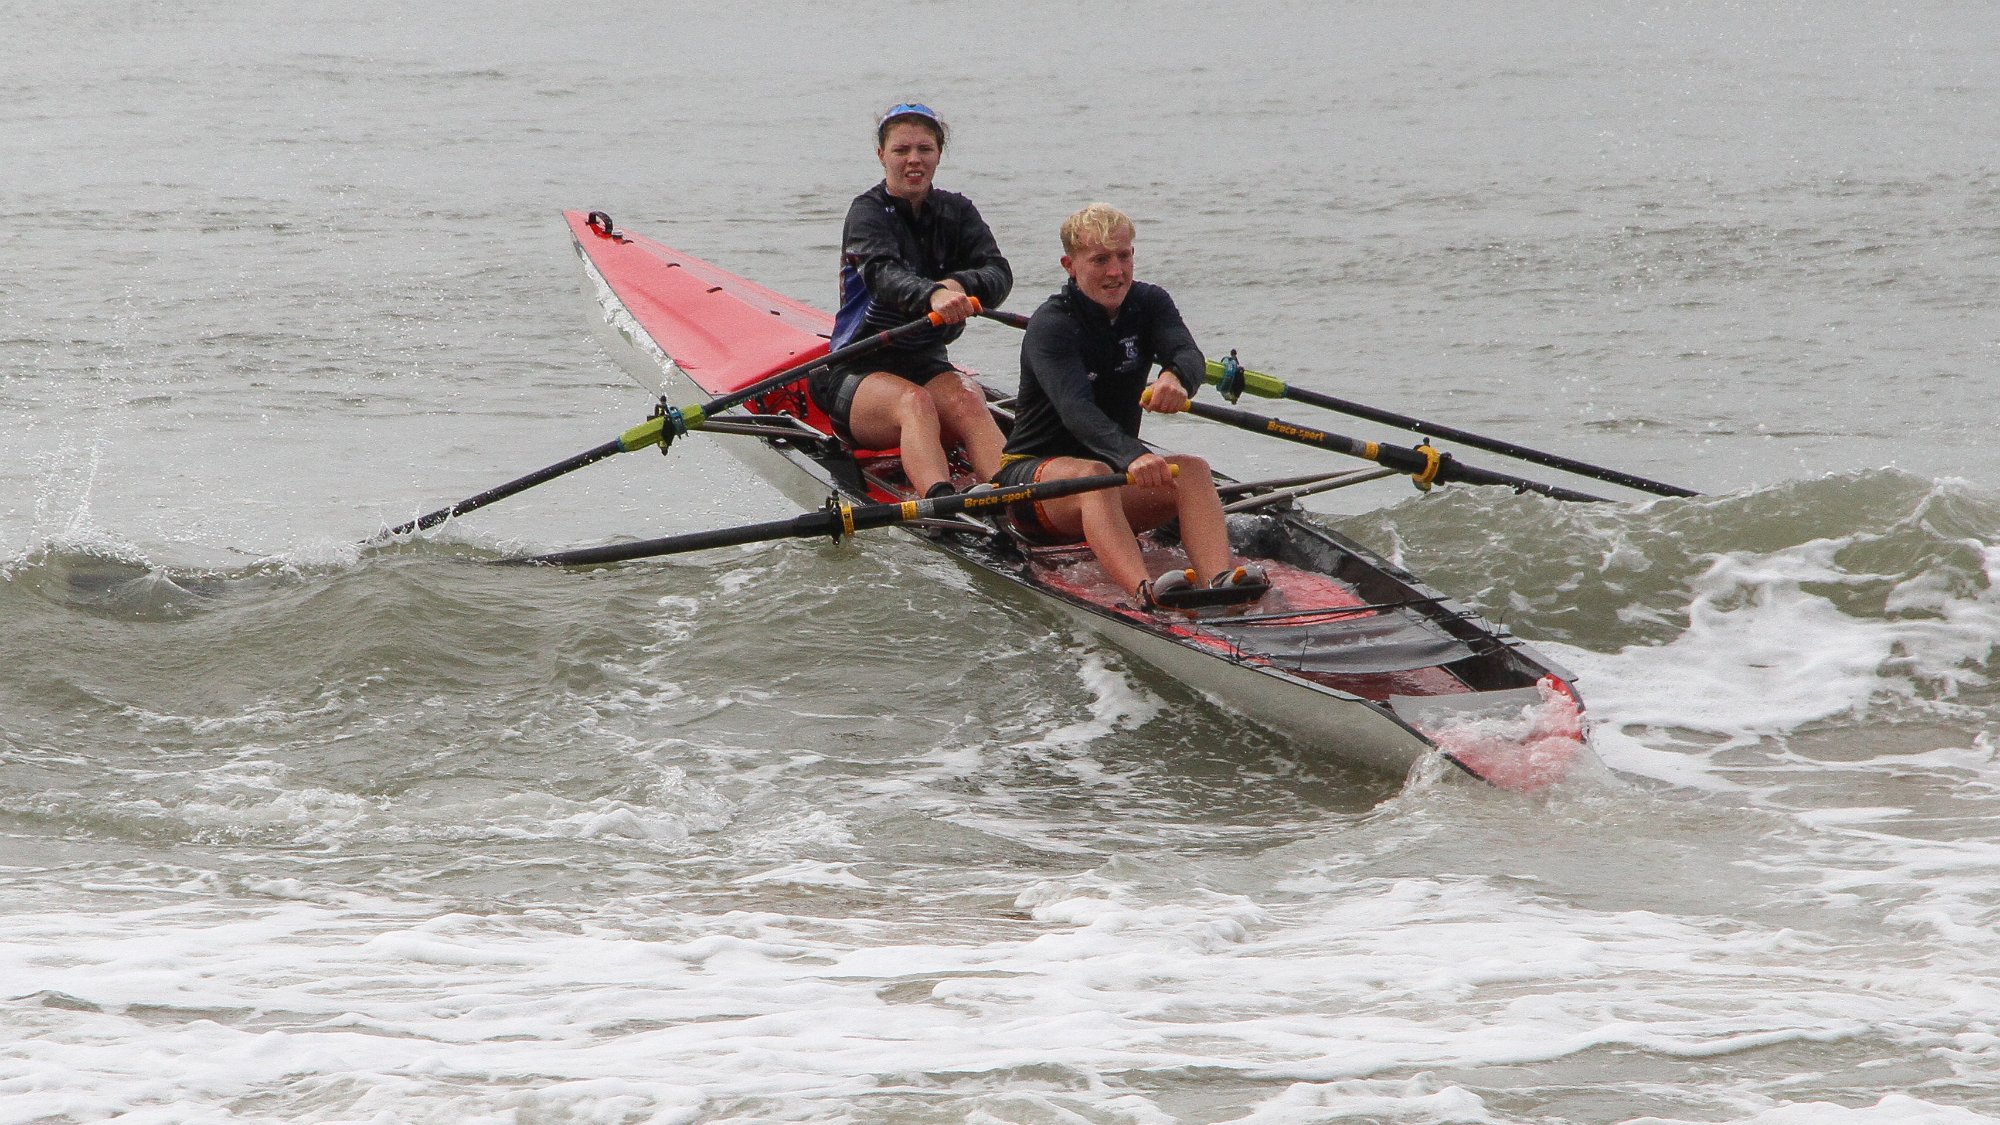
column 908, row 249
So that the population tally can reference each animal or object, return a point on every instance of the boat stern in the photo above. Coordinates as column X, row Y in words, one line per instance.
column 1523, row 739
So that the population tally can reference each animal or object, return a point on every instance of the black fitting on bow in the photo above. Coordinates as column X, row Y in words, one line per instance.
column 600, row 222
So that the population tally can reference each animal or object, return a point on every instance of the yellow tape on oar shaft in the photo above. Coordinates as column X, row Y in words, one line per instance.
column 1256, row 382
column 653, row 430
column 642, row 435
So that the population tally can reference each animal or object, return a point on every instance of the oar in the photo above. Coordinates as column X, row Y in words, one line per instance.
column 664, row 427
column 1232, row 378
column 1424, row 464
column 1012, row 319
column 837, row 520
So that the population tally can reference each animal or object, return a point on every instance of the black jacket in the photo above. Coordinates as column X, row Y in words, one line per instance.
column 1082, row 372
column 892, row 258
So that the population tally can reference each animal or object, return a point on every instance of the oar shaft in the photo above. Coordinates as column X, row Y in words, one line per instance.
column 519, row 484
column 1425, row 465
column 654, row 431
column 859, row 347
column 836, row 521
column 1258, row 383
column 681, row 420
column 798, row 527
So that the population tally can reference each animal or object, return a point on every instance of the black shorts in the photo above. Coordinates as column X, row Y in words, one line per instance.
column 1027, row 519
column 833, row 388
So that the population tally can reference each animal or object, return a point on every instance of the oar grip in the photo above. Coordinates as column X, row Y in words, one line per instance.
column 1173, row 470
column 937, row 319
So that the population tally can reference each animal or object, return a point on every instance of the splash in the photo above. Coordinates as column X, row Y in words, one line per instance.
column 1525, row 749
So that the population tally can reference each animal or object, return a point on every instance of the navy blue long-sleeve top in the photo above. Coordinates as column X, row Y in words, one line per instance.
column 1082, row 372
column 893, row 256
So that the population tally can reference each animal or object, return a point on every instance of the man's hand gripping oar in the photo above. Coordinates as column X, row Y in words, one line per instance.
column 662, row 429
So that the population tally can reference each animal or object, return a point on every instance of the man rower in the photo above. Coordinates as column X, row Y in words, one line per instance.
column 1084, row 366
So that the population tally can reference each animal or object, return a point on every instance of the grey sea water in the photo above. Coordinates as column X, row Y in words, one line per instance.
column 293, row 831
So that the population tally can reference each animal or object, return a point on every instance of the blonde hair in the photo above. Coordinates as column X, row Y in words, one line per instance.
column 1097, row 223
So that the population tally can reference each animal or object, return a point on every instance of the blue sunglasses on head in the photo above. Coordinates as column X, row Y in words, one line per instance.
column 908, row 108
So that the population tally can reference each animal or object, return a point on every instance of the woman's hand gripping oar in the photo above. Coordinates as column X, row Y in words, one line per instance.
column 662, row 429
column 837, row 520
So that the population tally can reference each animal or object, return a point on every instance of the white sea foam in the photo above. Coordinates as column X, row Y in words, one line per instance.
column 1116, row 703
column 1311, row 999
column 1899, row 1109
column 1763, row 654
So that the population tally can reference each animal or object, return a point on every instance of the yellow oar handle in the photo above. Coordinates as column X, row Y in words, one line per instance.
column 1146, row 398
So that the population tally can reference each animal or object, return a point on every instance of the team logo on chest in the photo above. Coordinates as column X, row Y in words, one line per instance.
column 1131, row 346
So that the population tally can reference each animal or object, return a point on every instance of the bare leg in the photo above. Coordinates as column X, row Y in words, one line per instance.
column 1109, row 534
column 1107, row 519
column 1099, row 517
column 891, row 412
column 1193, row 500
column 965, row 420
column 1204, row 529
